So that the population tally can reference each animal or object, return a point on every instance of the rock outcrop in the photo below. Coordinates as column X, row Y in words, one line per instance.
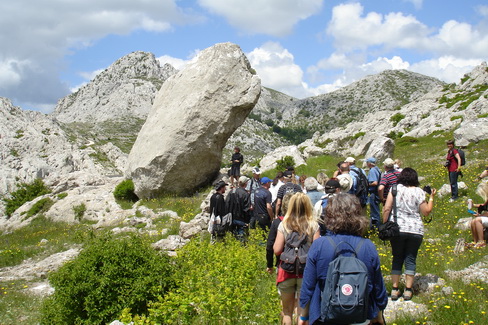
column 179, row 148
column 126, row 88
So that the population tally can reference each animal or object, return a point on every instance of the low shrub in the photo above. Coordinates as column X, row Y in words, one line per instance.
column 79, row 211
column 40, row 206
column 125, row 191
column 26, row 192
column 284, row 162
column 109, row 275
column 397, row 118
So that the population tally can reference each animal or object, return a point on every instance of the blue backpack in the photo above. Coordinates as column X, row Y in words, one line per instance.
column 345, row 297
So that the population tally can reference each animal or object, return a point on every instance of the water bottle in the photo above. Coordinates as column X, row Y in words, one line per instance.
column 470, row 204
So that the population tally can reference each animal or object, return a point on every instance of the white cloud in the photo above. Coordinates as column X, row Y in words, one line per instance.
column 277, row 70
column 175, row 62
column 270, row 17
column 446, row 68
column 43, row 32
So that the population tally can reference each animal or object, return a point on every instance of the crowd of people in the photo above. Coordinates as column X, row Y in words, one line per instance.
column 324, row 209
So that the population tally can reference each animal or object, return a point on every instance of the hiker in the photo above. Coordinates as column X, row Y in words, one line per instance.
column 252, row 185
column 332, row 188
column 398, row 165
column 298, row 218
column 273, row 231
column 311, row 185
column 288, row 187
column 217, row 205
column 239, row 204
column 453, row 165
column 410, row 207
column 322, row 178
column 263, row 211
column 374, row 177
column 235, row 169
column 388, row 179
column 344, row 222
column 480, row 221
column 483, row 174
column 344, row 178
column 338, row 171
column 275, row 185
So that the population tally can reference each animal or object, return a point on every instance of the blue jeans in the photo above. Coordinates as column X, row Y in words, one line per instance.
column 404, row 249
column 453, row 177
column 374, row 208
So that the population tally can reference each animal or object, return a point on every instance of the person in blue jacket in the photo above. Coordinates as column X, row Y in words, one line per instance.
column 344, row 222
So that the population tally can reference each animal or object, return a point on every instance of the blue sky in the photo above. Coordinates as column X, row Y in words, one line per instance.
column 300, row 47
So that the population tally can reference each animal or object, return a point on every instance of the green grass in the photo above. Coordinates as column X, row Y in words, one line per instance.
column 468, row 305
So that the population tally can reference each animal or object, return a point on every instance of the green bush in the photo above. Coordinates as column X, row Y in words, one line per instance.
column 109, row 275
column 284, row 162
column 125, row 191
column 25, row 193
column 79, row 211
column 40, row 206
column 229, row 286
column 397, row 118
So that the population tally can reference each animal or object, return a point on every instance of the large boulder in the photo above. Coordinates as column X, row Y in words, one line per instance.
column 179, row 148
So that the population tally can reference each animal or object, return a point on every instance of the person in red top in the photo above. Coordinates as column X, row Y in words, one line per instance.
column 453, row 165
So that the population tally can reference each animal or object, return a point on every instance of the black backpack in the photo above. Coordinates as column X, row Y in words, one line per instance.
column 362, row 186
column 462, row 156
column 345, row 297
column 294, row 254
column 234, row 205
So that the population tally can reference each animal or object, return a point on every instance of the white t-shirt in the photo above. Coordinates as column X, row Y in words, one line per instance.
column 408, row 201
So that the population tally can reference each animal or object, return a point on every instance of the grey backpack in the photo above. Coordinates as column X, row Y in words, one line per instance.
column 294, row 254
column 345, row 295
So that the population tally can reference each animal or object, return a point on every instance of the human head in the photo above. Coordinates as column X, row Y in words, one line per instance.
column 302, row 178
column 350, row 160
column 322, row 178
column 371, row 161
column 388, row 163
column 332, row 186
column 299, row 216
column 450, row 144
column 408, row 177
column 344, row 167
column 256, row 172
column 237, row 149
column 345, row 181
column 398, row 163
column 310, row 184
column 482, row 191
column 243, row 181
column 344, row 215
column 220, row 186
column 288, row 175
column 266, row 182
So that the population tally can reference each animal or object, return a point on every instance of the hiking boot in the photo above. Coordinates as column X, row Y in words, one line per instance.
column 407, row 295
column 395, row 294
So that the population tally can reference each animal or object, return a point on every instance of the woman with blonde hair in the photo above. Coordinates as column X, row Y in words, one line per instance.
column 481, row 218
column 299, row 218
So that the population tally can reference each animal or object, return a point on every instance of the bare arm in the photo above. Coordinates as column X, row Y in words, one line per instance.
column 278, row 206
column 269, row 208
column 279, row 243
column 387, row 208
column 458, row 158
column 381, row 190
column 426, row 207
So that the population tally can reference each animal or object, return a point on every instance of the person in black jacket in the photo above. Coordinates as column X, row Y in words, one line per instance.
column 235, row 169
column 217, row 203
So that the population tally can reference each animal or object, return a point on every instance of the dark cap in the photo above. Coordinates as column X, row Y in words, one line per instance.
column 288, row 173
column 219, row 185
column 332, row 185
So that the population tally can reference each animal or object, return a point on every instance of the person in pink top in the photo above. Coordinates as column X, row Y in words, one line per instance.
column 453, row 165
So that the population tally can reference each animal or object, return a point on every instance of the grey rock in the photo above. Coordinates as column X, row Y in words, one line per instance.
column 179, row 147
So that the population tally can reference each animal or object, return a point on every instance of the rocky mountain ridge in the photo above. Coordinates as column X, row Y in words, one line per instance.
column 78, row 159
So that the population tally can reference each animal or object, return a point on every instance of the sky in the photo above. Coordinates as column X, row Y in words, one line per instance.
column 303, row 48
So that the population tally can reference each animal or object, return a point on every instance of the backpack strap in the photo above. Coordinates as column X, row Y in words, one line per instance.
column 394, row 192
column 336, row 246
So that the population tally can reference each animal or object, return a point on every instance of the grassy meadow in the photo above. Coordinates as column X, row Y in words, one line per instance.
column 226, row 283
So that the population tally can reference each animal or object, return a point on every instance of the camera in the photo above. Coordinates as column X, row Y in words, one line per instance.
column 447, row 163
column 427, row 189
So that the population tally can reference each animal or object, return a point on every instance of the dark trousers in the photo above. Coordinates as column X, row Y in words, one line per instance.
column 404, row 249
column 453, row 179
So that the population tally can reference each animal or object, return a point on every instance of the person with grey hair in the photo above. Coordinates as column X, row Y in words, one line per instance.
column 322, row 178
column 311, row 185
column 388, row 179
